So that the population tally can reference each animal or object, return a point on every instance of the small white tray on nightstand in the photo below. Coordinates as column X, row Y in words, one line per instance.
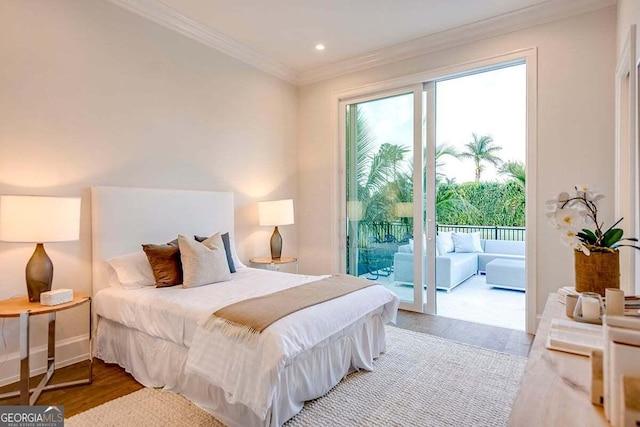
column 55, row 297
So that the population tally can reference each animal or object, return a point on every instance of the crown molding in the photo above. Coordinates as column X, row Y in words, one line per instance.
column 549, row 11
column 170, row 18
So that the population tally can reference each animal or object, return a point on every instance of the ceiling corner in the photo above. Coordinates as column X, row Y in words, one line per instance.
column 170, row 18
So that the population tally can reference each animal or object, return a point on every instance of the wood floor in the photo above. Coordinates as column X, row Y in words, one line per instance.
column 499, row 339
column 111, row 381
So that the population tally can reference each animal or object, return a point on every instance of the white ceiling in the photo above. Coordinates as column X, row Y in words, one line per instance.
column 288, row 30
column 280, row 35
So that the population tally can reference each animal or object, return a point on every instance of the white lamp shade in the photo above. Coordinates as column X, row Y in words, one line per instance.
column 39, row 219
column 276, row 212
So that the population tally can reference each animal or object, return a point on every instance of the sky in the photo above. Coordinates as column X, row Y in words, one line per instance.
column 489, row 103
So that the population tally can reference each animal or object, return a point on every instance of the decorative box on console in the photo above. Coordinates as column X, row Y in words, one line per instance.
column 58, row 296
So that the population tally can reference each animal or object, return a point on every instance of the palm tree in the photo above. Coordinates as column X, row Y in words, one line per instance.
column 481, row 149
column 385, row 184
column 514, row 169
column 376, row 172
column 364, row 145
column 390, row 155
column 442, row 150
column 450, row 202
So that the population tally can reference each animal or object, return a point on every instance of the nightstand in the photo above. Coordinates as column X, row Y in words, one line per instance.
column 274, row 264
column 21, row 307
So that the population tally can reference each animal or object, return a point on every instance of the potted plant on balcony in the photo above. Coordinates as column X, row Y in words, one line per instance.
column 597, row 260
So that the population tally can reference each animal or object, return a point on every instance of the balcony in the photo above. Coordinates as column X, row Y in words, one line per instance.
column 472, row 299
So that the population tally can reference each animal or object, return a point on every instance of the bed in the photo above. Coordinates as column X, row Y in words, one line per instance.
column 157, row 334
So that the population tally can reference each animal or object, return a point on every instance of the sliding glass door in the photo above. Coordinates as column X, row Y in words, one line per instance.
column 384, row 148
column 444, row 157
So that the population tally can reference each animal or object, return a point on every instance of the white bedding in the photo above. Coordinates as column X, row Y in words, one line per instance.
column 173, row 314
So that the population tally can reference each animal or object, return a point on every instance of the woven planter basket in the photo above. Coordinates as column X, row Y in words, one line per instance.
column 598, row 271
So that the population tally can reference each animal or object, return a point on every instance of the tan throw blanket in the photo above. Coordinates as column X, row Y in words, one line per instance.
column 247, row 319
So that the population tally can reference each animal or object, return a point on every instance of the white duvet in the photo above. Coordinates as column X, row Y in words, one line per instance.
column 248, row 375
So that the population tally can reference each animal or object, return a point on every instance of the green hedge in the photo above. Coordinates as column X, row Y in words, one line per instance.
column 484, row 203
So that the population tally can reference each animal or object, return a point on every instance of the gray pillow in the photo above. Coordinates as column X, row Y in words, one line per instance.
column 227, row 249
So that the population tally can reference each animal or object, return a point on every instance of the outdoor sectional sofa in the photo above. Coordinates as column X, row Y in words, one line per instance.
column 453, row 268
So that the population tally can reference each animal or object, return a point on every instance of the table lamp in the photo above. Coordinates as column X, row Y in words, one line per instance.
column 275, row 213
column 39, row 219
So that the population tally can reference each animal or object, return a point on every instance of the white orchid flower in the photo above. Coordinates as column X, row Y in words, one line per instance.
column 570, row 238
column 550, row 209
column 588, row 193
column 571, row 241
column 559, row 202
column 582, row 190
column 563, row 197
column 573, row 211
column 568, row 218
column 595, row 199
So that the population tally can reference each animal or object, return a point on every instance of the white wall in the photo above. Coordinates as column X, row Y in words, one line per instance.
column 576, row 64
column 628, row 15
column 91, row 94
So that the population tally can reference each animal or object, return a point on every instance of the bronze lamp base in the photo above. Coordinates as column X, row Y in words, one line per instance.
column 39, row 273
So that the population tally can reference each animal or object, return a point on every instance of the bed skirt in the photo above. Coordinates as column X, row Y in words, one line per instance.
column 155, row 362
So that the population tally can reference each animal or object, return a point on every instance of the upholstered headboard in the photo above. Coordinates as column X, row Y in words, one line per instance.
column 124, row 218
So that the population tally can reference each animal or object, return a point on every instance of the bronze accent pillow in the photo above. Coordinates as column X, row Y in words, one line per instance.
column 165, row 263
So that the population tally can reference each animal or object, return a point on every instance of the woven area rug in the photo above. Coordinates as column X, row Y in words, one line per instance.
column 422, row 380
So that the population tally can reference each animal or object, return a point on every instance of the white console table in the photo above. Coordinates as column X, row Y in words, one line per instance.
column 556, row 387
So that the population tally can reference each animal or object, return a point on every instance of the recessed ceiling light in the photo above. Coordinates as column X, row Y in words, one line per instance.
column 319, row 46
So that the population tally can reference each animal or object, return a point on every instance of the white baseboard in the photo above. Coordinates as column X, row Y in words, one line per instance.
column 68, row 351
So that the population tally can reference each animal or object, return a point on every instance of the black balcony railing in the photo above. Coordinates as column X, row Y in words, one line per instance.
column 378, row 241
column 389, row 232
column 487, row 232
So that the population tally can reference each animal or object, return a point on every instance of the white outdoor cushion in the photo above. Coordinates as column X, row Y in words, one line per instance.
column 439, row 248
column 446, row 239
column 131, row 271
column 203, row 263
column 424, row 245
column 513, row 247
column 467, row 242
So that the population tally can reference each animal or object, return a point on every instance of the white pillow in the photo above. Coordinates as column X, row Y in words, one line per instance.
column 113, row 277
column 234, row 255
column 203, row 263
column 424, row 245
column 439, row 249
column 446, row 242
column 130, row 271
column 467, row 242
